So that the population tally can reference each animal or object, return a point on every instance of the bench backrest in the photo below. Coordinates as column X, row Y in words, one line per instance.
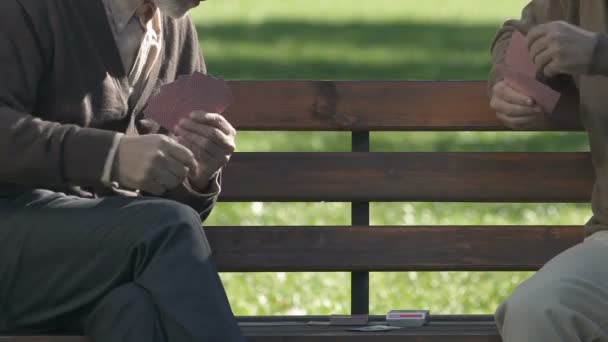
column 361, row 177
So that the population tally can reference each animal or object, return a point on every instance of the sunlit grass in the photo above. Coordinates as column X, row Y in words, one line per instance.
column 462, row 11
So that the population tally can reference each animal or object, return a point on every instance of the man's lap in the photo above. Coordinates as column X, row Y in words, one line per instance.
column 53, row 245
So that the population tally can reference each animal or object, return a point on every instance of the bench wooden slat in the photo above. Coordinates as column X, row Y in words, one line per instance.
column 325, row 334
column 286, row 328
column 365, row 105
column 432, row 177
column 465, row 333
column 315, row 334
column 411, row 248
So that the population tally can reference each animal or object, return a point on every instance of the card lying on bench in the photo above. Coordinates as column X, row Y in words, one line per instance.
column 196, row 92
column 519, row 72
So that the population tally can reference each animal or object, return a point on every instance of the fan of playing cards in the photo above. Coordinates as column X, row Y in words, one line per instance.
column 196, row 92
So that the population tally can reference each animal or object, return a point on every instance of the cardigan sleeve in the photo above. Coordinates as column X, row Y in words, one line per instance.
column 34, row 151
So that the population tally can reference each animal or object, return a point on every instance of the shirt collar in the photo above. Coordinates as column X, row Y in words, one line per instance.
column 121, row 12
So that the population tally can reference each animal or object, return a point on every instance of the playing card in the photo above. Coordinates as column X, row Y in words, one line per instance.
column 545, row 96
column 520, row 73
column 196, row 92
column 518, row 57
column 162, row 107
column 206, row 93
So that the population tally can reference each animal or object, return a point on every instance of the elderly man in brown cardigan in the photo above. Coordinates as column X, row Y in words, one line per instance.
column 567, row 300
column 100, row 211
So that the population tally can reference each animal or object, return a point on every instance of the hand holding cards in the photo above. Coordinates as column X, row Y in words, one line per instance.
column 191, row 108
column 519, row 72
column 189, row 93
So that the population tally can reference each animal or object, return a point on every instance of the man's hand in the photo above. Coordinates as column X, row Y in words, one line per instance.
column 562, row 48
column 513, row 109
column 212, row 140
column 153, row 163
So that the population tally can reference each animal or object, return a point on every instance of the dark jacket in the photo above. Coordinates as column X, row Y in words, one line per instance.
column 64, row 94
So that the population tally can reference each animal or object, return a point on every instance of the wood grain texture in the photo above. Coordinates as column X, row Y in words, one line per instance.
column 297, row 329
column 314, row 335
column 464, row 333
column 367, row 105
column 281, row 334
column 380, row 248
column 432, row 177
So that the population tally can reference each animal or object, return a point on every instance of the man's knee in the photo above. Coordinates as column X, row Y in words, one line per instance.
column 529, row 303
column 153, row 218
column 173, row 225
column 545, row 302
column 173, row 212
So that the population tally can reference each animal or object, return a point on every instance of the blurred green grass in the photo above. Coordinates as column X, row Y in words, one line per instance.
column 381, row 40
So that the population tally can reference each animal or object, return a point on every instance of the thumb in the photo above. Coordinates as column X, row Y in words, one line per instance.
column 183, row 155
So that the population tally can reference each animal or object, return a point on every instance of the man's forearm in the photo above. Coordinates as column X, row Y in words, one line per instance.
column 50, row 154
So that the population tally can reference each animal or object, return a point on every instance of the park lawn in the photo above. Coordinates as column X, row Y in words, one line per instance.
column 381, row 40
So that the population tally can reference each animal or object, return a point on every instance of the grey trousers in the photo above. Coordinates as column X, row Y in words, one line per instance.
column 567, row 300
column 117, row 269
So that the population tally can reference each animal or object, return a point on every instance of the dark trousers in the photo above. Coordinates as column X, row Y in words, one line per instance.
column 116, row 269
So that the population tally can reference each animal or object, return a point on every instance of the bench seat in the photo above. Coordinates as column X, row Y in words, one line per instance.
column 299, row 329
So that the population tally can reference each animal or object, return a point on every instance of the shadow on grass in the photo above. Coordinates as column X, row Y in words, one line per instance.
column 443, row 51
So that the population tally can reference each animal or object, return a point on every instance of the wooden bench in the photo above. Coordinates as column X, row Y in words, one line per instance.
column 362, row 177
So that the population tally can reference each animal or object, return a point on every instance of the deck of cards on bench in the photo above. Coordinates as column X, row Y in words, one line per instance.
column 189, row 93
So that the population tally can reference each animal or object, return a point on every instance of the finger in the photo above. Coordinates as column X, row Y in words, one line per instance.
column 165, row 178
column 190, row 146
column 214, row 120
column 154, row 187
column 176, row 168
column 517, row 122
column 552, row 69
column 540, row 45
column 179, row 152
column 510, row 95
column 211, row 133
column 210, row 163
column 207, row 149
column 543, row 60
column 513, row 110
column 208, row 144
column 168, row 180
column 536, row 33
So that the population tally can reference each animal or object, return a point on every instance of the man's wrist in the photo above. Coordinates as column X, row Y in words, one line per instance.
column 599, row 60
